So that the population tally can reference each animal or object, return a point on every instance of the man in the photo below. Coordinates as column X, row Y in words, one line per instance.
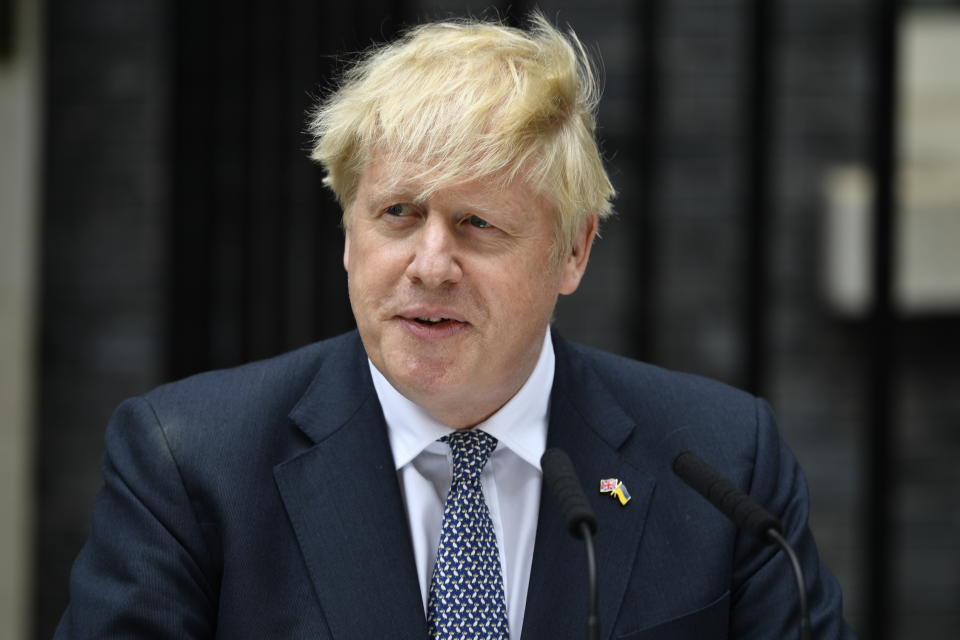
column 386, row 483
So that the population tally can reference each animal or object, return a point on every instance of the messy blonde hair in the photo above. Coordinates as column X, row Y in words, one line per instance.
column 472, row 100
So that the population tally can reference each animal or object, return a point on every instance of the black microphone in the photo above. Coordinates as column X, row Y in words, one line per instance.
column 724, row 495
column 559, row 475
column 745, row 512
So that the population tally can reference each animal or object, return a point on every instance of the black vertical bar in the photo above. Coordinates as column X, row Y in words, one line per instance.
column 249, row 182
column 266, row 42
column 643, row 302
column 190, row 221
column 883, row 334
column 285, row 72
column 7, row 29
column 758, row 189
column 640, row 308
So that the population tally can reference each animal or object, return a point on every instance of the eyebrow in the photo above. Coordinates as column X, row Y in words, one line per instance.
column 401, row 189
column 483, row 209
column 391, row 193
column 397, row 187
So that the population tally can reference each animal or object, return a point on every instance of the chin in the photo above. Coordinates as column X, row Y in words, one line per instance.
column 427, row 375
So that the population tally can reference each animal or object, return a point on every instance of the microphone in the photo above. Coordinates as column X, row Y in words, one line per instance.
column 724, row 495
column 745, row 512
column 560, row 476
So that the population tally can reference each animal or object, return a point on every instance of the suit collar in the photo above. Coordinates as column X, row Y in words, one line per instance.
column 587, row 422
column 345, row 506
column 596, row 408
column 340, row 388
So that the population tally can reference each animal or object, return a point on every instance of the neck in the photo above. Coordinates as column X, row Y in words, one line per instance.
column 465, row 413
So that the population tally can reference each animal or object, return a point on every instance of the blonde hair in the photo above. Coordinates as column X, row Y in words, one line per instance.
column 472, row 100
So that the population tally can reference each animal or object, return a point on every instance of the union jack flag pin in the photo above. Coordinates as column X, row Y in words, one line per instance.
column 608, row 485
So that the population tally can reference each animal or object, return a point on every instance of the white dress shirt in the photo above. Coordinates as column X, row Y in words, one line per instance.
column 511, row 479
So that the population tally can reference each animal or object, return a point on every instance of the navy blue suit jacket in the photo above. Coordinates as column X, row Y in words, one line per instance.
column 262, row 502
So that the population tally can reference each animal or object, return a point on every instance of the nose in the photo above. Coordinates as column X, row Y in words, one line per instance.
column 435, row 261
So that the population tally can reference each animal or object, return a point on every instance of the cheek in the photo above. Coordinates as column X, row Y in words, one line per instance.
column 365, row 288
column 368, row 260
column 526, row 291
column 374, row 275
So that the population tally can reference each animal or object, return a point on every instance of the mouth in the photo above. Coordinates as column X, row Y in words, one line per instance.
column 433, row 325
column 430, row 322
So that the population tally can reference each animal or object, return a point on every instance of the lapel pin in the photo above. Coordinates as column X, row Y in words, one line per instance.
column 616, row 489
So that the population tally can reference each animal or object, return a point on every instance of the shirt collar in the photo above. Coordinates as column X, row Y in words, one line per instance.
column 520, row 424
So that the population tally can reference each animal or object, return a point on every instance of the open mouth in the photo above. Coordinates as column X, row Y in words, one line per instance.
column 431, row 321
column 429, row 327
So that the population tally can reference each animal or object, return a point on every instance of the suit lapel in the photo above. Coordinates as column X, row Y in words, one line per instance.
column 343, row 499
column 587, row 423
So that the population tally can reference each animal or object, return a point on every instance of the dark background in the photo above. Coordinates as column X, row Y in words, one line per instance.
column 184, row 229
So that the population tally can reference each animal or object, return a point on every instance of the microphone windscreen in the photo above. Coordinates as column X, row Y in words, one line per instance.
column 746, row 513
column 559, row 475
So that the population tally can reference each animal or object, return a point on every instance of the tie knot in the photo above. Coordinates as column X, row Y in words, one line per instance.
column 471, row 450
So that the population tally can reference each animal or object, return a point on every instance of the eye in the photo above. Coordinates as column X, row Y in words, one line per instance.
column 478, row 222
column 396, row 210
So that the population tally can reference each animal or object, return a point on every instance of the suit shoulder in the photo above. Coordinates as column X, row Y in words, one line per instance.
column 672, row 411
column 235, row 421
column 628, row 378
column 262, row 391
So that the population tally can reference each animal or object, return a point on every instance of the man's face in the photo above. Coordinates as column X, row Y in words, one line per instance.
column 452, row 294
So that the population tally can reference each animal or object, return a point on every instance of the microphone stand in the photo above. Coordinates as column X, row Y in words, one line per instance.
column 774, row 536
column 593, row 618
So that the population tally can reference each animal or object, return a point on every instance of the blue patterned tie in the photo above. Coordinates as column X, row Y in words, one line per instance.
column 466, row 591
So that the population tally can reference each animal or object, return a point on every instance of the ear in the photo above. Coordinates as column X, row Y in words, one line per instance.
column 346, row 250
column 575, row 263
